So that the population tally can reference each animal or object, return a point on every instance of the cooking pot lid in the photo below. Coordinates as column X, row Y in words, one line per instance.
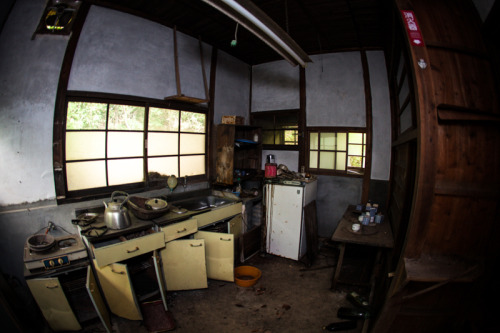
column 156, row 203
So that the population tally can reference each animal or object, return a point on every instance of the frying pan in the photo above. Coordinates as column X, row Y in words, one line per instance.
column 41, row 242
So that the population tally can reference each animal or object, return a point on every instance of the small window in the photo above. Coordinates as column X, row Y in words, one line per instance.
column 280, row 129
column 337, row 152
column 113, row 144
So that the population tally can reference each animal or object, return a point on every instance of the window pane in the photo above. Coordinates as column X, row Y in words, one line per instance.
column 192, row 122
column 126, row 117
column 291, row 137
column 405, row 120
column 162, row 167
column 340, row 161
column 313, row 141
column 192, row 144
column 85, row 145
column 355, row 162
column 163, row 144
column 125, row 144
column 355, row 137
column 327, row 141
column 342, row 141
column 125, row 171
column 83, row 175
column 163, row 120
column 279, row 137
column 326, row 160
column 83, row 115
column 313, row 159
column 192, row 165
column 268, row 137
column 355, row 150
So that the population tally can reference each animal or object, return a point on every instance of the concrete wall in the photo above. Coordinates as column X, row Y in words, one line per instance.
column 334, row 97
column 117, row 53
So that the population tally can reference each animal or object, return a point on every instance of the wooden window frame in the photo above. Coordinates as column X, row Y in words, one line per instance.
column 346, row 172
column 66, row 196
column 274, row 114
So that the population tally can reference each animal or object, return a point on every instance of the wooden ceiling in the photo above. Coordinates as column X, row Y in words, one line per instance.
column 318, row 26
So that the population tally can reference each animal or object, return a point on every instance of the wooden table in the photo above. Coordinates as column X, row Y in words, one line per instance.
column 378, row 236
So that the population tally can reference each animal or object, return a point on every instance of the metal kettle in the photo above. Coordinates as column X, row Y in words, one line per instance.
column 116, row 214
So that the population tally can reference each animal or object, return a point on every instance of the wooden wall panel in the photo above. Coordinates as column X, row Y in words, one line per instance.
column 468, row 157
column 455, row 228
column 451, row 23
column 463, row 80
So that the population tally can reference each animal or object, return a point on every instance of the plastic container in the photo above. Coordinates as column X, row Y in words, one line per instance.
column 246, row 276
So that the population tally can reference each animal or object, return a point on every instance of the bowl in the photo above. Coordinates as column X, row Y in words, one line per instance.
column 246, row 276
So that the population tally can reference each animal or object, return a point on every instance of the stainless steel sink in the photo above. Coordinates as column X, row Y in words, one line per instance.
column 202, row 203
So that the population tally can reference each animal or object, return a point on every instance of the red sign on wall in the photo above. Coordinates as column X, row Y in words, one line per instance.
column 412, row 28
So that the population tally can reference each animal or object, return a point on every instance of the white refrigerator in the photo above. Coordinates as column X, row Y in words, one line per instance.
column 286, row 234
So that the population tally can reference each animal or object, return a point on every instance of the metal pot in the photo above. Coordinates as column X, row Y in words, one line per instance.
column 116, row 214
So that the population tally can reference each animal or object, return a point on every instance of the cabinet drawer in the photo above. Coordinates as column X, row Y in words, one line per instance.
column 109, row 254
column 181, row 229
column 218, row 214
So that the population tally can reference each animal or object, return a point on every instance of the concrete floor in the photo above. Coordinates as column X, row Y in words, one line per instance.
column 289, row 297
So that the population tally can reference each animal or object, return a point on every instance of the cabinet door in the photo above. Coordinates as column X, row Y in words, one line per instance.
column 159, row 278
column 236, row 225
column 97, row 300
column 117, row 288
column 49, row 295
column 184, row 264
column 219, row 254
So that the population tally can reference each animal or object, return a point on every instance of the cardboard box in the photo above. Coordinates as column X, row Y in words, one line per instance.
column 233, row 120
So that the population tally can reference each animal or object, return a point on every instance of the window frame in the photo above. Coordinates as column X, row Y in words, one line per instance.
column 274, row 114
column 60, row 172
column 348, row 171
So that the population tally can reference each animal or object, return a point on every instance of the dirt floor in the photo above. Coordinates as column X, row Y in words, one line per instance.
column 289, row 297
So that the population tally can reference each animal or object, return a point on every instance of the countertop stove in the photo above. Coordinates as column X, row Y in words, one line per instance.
column 66, row 250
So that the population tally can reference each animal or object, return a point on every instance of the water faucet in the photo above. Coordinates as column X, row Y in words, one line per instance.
column 185, row 183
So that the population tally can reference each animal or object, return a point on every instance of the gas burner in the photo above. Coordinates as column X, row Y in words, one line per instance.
column 66, row 250
column 68, row 242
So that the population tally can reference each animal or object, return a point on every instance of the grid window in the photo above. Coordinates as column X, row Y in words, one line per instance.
column 111, row 144
column 337, row 152
column 280, row 129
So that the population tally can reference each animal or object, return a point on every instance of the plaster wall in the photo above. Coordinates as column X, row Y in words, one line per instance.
column 232, row 88
column 334, row 97
column 286, row 157
column 118, row 53
column 335, row 90
column 29, row 72
column 124, row 54
column 275, row 86
column 381, row 116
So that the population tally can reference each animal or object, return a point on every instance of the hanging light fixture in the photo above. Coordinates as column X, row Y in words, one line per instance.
column 256, row 21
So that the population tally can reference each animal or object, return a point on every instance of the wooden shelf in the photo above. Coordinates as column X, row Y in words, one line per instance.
column 233, row 154
column 183, row 98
